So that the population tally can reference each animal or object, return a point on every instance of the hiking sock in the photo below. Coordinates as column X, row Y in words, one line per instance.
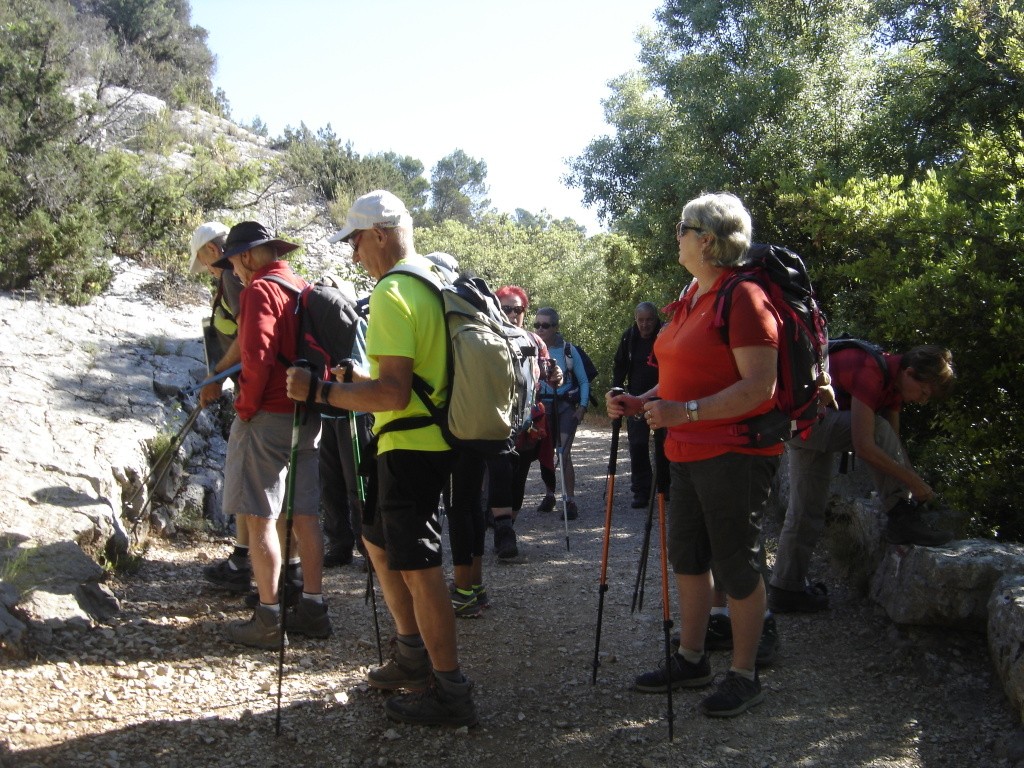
column 275, row 607
column 502, row 520
column 411, row 646
column 317, row 597
column 693, row 657
column 720, row 610
column 455, row 676
column 747, row 674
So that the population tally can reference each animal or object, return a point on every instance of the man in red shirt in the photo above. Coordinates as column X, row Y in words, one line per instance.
column 869, row 392
column 259, row 448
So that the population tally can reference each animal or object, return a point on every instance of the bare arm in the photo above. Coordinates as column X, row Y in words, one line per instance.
column 211, row 392
column 862, row 431
column 390, row 391
column 757, row 367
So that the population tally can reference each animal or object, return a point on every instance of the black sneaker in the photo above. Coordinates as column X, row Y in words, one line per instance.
column 309, row 618
column 640, row 500
column 811, row 599
column 547, row 504
column 337, row 556
column 735, row 694
column 442, row 703
column 907, row 526
column 233, row 579
column 571, row 511
column 505, row 539
column 683, row 675
column 719, row 634
column 768, row 646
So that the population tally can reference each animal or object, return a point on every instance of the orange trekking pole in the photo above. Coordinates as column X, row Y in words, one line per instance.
column 609, row 497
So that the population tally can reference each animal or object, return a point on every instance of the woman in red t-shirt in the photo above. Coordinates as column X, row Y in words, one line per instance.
column 718, row 491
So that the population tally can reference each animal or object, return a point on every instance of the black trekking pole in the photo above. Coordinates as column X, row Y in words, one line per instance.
column 609, row 502
column 357, row 459
column 666, row 611
column 162, row 465
column 561, row 465
column 289, row 497
column 641, row 571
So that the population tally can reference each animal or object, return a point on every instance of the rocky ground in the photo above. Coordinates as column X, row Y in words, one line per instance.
column 159, row 686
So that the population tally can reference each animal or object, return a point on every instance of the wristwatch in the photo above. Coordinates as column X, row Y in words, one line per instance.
column 692, row 410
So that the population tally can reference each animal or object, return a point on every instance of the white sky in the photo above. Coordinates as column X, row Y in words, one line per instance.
column 517, row 85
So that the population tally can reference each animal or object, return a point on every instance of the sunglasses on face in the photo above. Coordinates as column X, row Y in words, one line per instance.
column 513, row 310
column 544, row 326
column 681, row 229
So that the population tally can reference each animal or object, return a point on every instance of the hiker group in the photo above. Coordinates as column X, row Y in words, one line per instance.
column 435, row 384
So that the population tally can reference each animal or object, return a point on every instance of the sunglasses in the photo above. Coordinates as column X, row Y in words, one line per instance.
column 681, row 229
column 512, row 310
column 545, row 326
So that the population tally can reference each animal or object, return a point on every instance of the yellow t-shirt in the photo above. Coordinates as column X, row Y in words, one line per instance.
column 406, row 320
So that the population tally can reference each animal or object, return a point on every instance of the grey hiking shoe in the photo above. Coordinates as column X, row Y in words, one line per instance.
column 906, row 525
column 309, row 618
column 232, row 573
column 262, row 630
column 547, row 504
column 466, row 606
column 683, row 675
column 442, row 703
column 400, row 671
column 571, row 511
column 735, row 694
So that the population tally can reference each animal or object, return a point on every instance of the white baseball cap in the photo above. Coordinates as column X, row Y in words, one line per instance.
column 204, row 233
column 379, row 208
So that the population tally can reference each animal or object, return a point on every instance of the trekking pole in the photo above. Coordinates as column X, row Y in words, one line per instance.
column 561, row 467
column 666, row 612
column 609, row 501
column 357, row 460
column 641, row 571
column 289, row 497
column 162, row 466
column 189, row 391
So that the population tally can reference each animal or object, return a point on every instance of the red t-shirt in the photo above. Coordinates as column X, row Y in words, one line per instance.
column 857, row 373
column 267, row 328
column 694, row 361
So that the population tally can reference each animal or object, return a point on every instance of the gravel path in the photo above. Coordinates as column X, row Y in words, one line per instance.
column 159, row 686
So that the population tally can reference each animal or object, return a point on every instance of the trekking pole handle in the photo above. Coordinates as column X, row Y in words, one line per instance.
column 615, row 392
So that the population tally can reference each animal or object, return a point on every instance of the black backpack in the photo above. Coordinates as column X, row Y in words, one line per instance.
column 803, row 348
column 327, row 325
column 845, row 341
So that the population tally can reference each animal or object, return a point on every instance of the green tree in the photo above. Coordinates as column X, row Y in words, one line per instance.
column 458, row 188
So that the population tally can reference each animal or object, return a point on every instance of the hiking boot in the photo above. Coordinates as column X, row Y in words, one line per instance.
column 262, row 630
column 232, row 573
column 810, row 599
column 639, row 501
column 337, row 556
column 292, row 595
column 683, row 675
column 442, row 703
column 907, row 526
column 768, row 645
column 735, row 694
column 571, row 511
column 547, row 504
column 505, row 539
column 405, row 668
column 466, row 606
column 309, row 618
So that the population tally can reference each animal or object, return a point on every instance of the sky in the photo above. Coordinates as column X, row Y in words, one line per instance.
column 518, row 85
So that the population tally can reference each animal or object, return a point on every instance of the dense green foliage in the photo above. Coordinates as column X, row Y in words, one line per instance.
column 882, row 140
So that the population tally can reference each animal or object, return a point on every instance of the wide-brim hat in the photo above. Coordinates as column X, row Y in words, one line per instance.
column 247, row 235
column 379, row 208
column 204, row 233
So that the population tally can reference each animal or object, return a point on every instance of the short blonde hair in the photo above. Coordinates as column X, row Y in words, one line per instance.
column 724, row 216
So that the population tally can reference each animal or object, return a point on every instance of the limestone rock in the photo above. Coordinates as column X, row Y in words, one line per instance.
column 947, row 586
column 1006, row 637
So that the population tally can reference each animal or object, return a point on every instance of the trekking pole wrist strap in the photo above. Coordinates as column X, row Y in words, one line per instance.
column 323, row 391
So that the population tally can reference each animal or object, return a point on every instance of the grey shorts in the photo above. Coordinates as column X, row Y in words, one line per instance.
column 256, row 468
column 715, row 517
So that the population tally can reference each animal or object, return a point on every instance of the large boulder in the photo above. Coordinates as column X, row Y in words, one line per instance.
column 1006, row 637
column 949, row 586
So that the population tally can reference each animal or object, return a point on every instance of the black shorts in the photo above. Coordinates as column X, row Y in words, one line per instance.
column 406, row 523
column 715, row 512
